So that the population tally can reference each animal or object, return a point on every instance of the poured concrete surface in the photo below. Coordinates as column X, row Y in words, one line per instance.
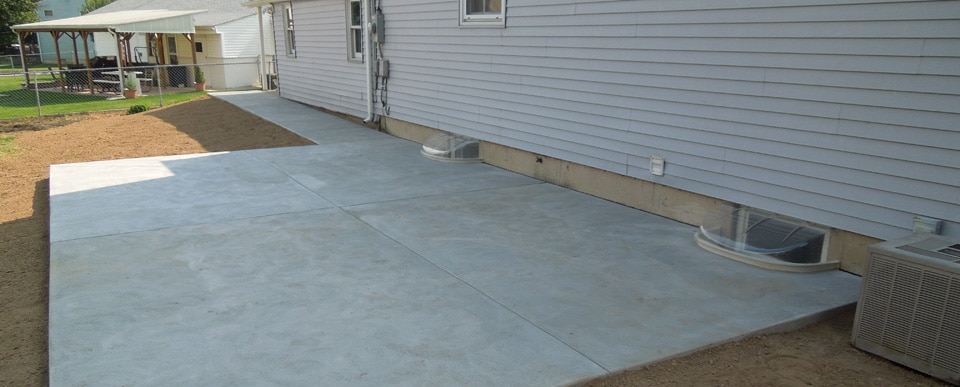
column 358, row 262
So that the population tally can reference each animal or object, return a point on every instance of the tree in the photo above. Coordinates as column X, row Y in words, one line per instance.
column 90, row 5
column 13, row 12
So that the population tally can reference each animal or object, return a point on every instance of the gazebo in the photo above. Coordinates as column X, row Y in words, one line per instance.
column 123, row 25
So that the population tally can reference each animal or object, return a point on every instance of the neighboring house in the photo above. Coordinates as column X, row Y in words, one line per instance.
column 53, row 10
column 227, row 40
column 846, row 115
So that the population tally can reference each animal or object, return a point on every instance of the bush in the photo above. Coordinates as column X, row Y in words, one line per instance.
column 138, row 109
column 198, row 75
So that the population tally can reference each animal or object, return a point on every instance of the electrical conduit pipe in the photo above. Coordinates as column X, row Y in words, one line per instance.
column 368, row 56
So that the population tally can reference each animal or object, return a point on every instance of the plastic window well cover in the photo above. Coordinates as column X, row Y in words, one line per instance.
column 764, row 239
column 451, row 148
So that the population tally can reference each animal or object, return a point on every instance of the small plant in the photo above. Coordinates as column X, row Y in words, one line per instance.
column 199, row 81
column 6, row 145
column 130, row 84
column 137, row 109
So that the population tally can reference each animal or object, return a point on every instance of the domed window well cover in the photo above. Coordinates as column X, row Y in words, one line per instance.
column 452, row 148
column 765, row 239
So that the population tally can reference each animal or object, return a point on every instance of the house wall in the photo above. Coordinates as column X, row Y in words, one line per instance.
column 241, row 38
column 320, row 73
column 61, row 9
column 841, row 114
column 238, row 50
column 107, row 45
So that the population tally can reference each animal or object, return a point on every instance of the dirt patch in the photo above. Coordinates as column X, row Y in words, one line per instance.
column 818, row 355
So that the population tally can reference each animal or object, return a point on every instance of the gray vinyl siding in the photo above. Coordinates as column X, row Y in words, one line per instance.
column 320, row 74
column 845, row 113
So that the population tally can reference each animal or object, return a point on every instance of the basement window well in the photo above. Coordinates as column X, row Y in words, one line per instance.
column 452, row 148
column 765, row 239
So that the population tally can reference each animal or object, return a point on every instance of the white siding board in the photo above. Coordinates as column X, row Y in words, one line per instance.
column 940, row 47
column 946, row 103
column 931, row 120
column 848, row 199
column 821, row 46
column 942, row 139
column 852, row 29
column 874, row 181
column 886, row 82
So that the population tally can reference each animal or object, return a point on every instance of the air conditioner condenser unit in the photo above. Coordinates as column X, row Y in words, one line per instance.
column 909, row 309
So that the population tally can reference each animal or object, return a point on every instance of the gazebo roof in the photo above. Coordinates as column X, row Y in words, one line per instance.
column 148, row 21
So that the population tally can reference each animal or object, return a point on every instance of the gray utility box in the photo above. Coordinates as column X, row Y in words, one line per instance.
column 909, row 309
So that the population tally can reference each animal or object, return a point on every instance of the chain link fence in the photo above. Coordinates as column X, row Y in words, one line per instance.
column 75, row 89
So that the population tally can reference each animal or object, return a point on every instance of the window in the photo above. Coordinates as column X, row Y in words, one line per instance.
column 172, row 50
column 198, row 46
column 48, row 12
column 482, row 13
column 288, row 30
column 354, row 30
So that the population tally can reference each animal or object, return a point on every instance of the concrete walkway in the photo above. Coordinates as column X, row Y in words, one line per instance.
column 359, row 262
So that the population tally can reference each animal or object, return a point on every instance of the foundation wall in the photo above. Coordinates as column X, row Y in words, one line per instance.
column 849, row 248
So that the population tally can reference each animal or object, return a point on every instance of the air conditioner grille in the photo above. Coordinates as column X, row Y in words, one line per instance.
column 910, row 312
column 948, row 348
column 931, row 301
column 876, row 296
column 903, row 302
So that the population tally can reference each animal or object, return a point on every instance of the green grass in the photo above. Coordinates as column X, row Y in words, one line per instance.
column 6, row 145
column 22, row 103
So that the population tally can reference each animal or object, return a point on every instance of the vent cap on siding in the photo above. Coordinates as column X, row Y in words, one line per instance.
column 452, row 148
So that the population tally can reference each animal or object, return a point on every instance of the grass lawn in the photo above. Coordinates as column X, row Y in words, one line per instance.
column 17, row 102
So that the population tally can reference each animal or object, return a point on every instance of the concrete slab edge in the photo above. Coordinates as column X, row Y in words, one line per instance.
column 790, row 325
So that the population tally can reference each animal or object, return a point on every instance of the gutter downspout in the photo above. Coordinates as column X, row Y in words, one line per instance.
column 263, row 58
column 368, row 57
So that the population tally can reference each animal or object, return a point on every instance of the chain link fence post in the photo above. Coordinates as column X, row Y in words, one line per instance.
column 159, row 80
column 36, row 92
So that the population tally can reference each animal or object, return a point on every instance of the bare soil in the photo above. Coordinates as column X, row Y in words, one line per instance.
column 817, row 355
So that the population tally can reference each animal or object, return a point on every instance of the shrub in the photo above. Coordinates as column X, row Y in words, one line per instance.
column 198, row 75
column 130, row 84
column 138, row 109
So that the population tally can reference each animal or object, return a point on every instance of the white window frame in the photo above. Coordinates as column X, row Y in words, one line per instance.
column 289, row 30
column 354, row 32
column 488, row 19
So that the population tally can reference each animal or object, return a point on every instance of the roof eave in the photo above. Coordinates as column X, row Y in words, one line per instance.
column 260, row 3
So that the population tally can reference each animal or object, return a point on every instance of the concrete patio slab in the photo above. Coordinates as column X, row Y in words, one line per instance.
column 358, row 262
column 309, row 298
column 566, row 258
column 159, row 192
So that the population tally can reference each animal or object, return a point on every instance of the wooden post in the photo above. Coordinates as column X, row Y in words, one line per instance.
column 23, row 57
column 56, row 46
column 73, row 37
column 193, row 47
column 162, row 60
column 119, row 60
column 128, row 54
column 193, row 52
column 86, row 57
